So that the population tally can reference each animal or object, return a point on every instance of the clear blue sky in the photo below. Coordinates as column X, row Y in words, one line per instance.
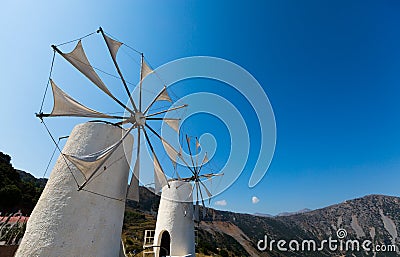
column 329, row 68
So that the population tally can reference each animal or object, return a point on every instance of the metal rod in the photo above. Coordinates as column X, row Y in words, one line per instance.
column 209, row 175
column 154, row 100
column 43, row 115
column 162, row 118
column 172, row 109
column 138, row 144
column 163, row 140
column 202, row 200
column 191, row 156
column 154, row 153
column 118, row 70
column 140, row 83
column 197, row 156
column 202, row 163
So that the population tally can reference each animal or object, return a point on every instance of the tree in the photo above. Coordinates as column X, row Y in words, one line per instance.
column 10, row 195
column 224, row 253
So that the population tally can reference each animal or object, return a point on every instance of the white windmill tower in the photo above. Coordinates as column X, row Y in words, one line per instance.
column 81, row 209
column 174, row 234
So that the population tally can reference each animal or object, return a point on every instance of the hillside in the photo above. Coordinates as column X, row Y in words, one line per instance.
column 373, row 217
column 18, row 190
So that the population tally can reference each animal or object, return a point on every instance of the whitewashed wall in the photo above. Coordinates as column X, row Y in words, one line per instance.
column 175, row 215
column 67, row 222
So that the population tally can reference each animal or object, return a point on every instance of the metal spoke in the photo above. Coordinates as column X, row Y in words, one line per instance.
column 138, row 143
column 169, row 110
column 134, row 185
column 44, row 115
column 211, row 175
column 138, row 150
column 163, row 140
column 162, row 118
column 154, row 100
column 154, row 153
column 140, row 83
column 202, row 200
column 191, row 193
column 207, row 191
column 197, row 156
column 191, row 156
column 119, row 71
column 197, row 198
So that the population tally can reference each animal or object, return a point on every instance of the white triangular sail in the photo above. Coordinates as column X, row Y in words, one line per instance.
column 113, row 46
column 133, row 190
column 174, row 124
column 197, row 144
column 91, row 163
column 145, row 70
column 172, row 153
column 79, row 60
column 88, row 164
column 160, row 180
column 65, row 105
column 163, row 96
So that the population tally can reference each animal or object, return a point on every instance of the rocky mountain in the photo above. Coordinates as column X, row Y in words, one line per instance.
column 374, row 218
column 263, row 214
column 293, row 213
column 283, row 213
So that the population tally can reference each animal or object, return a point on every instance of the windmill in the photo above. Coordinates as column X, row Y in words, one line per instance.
column 137, row 116
column 174, row 233
column 196, row 178
column 96, row 159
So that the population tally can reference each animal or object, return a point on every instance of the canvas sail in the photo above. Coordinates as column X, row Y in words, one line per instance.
column 172, row 153
column 113, row 46
column 133, row 190
column 145, row 70
column 163, row 96
column 174, row 124
column 79, row 60
column 91, row 163
column 160, row 179
column 65, row 105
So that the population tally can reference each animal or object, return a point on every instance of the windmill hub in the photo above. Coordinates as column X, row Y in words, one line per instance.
column 139, row 118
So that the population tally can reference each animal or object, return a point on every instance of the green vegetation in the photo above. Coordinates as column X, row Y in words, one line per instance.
column 17, row 193
column 135, row 223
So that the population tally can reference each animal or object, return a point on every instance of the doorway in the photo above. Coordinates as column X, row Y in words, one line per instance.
column 165, row 244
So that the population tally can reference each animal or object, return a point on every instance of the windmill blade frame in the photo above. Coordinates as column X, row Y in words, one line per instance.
column 137, row 117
